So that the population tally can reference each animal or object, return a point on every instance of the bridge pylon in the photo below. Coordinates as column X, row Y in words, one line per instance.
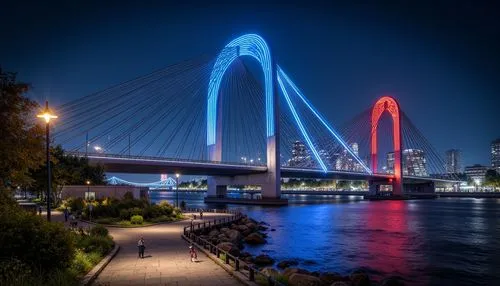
column 254, row 46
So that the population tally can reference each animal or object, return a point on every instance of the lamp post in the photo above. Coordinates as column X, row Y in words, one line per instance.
column 177, row 189
column 47, row 117
column 88, row 190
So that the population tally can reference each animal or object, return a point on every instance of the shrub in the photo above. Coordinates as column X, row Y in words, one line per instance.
column 99, row 230
column 125, row 214
column 135, row 211
column 76, row 204
column 13, row 271
column 99, row 244
column 162, row 218
column 42, row 245
column 152, row 211
column 137, row 219
column 166, row 208
column 107, row 220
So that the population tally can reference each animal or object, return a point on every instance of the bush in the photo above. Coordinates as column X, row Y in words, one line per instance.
column 99, row 230
column 14, row 271
column 99, row 244
column 125, row 214
column 166, row 208
column 137, row 219
column 76, row 204
column 107, row 220
column 152, row 212
column 162, row 218
column 135, row 211
column 42, row 245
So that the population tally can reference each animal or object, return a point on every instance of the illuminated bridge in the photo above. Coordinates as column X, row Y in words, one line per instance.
column 212, row 115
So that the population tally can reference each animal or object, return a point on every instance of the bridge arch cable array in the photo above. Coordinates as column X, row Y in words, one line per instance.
column 163, row 115
column 419, row 157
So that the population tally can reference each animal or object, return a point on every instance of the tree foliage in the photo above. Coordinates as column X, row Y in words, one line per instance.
column 492, row 179
column 22, row 139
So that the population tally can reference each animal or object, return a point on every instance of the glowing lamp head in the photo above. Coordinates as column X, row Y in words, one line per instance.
column 177, row 175
column 46, row 115
column 87, row 182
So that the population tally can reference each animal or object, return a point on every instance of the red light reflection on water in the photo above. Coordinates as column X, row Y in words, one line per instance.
column 387, row 242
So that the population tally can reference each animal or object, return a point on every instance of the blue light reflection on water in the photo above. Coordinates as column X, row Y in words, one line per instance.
column 449, row 241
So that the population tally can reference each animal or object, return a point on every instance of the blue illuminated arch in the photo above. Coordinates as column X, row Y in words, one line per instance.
column 247, row 45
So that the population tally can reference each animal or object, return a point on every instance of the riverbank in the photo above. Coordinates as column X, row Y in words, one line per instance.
column 226, row 241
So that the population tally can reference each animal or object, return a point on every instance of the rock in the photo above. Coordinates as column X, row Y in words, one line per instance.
column 242, row 228
column 292, row 270
column 392, row 281
column 359, row 279
column 230, row 248
column 262, row 228
column 287, row 263
column 213, row 233
column 298, row 279
column 269, row 271
column 244, row 254
column 224, row 230
column 329, row 278
column 234, row 235
column 263, row 223
column 272, row 229
column 263, row 260
column 251, row 226
column 234, row 226
column 254, row 238
column 249, row 259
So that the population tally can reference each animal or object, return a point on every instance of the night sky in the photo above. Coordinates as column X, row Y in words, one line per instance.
column 440, row 59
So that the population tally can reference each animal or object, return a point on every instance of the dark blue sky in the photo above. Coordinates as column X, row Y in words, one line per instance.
column 439, row 58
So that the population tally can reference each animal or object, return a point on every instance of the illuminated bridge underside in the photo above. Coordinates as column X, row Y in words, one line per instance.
column 162, row 166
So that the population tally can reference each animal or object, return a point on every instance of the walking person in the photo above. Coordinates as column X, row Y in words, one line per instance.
column 39, row 210
column 66, row 214
column 141, row 247
column 201, row 214
column 193, row 254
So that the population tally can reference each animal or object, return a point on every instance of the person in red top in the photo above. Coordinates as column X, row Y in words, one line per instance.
column 192, row 253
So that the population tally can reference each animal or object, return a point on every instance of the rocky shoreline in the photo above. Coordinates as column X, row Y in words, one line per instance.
column 247, row 231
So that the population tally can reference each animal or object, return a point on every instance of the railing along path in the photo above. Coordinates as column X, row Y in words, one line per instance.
column 247, row 270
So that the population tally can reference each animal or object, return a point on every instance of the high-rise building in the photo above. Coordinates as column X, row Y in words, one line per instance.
column 414, row 163
column 476, row 173
column 389, row 161
column 495, row 155
column 453, row 161
column 346, row 162
column 300, row 156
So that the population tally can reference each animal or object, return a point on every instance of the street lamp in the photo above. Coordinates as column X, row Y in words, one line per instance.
column 47, row 116
column 88, row 190
column 177, row 189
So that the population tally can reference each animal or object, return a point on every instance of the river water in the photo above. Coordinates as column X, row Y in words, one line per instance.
column 447, row 241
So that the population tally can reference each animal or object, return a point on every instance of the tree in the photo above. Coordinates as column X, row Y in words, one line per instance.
column 67, row 170
column 22, row 140
column 492, row 179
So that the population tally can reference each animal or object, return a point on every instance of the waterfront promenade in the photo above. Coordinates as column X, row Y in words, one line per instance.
column 166, row 259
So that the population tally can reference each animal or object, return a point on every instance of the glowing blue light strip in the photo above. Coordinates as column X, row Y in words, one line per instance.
column 247, row 45
column 169, row 182
column 323, row 121
column 301, row 127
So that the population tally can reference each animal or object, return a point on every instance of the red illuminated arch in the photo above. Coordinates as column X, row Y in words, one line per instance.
column 390, row 105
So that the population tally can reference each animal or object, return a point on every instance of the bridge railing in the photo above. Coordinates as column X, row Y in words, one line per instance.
column 247, row 270
column 121, row 156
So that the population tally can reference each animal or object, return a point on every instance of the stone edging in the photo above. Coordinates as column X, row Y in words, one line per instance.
column 92, row 274
column 236, row 274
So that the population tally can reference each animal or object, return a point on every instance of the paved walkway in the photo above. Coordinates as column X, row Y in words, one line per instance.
column 166, row 259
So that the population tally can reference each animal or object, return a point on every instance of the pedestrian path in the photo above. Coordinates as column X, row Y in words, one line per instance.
column 166, row 259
